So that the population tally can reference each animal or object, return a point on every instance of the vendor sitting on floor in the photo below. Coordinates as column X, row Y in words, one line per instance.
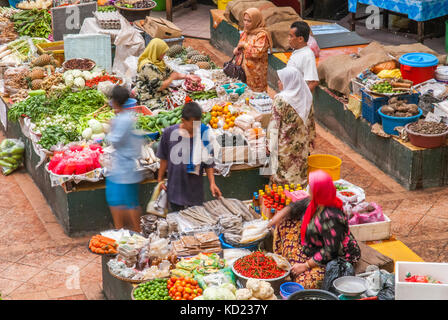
column 154, row 77
column 310, row 238
column 182, row 155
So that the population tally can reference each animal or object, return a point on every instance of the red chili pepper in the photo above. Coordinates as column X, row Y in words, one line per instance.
column 257, row 265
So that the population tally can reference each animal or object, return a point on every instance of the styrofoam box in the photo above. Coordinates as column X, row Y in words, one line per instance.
column 421, row 291
column 372, row 231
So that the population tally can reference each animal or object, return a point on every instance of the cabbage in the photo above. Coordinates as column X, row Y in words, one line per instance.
column 218, row 293
column 96, row 126
column 69, row 80
column 77, row 73
column 99, row 136
column 79, row 82
column 87, row 133
column 87, row 75
column 229, row 286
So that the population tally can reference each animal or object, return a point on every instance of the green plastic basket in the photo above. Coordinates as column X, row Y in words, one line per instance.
column 161, row 5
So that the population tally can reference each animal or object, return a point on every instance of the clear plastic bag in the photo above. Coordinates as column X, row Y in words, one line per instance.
column 15, row 79
column 366, row 213
column 11, row 155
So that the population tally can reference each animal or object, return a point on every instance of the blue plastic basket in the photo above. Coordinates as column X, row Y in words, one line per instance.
column 370, row 105
column 225, row 245
column 240, row 90
column 389, row 123
column 131, row 102
column 14, row 3
column 288, row 288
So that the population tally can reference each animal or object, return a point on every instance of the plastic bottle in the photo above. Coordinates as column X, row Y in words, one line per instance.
column 255, row 201
column 273, row 212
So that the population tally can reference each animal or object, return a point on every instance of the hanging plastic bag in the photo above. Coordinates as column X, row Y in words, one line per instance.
column 312, row 43
column 158, row 204
column 335, row 269
column 11, row 155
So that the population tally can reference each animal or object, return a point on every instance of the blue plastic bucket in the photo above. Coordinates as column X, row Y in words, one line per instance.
column 131, row 102
column 389, row 123
column 288, row 288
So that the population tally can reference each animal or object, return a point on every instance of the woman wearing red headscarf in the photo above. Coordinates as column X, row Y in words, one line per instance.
column 252, row 50
column 324, row 231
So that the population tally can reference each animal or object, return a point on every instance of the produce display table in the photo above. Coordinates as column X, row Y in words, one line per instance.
column 417, row 10
column 83, row 208
column 412, row 167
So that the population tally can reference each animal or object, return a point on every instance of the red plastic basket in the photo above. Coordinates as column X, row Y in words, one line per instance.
column 141, row 109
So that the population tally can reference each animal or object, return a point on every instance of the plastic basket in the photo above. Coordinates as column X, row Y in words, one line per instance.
column 328, row 163
column 389, row 123
column 288, row 288
column 140, row 109
column 225, row 245
column 48, row 48
column 130, row 103
column 370, row 104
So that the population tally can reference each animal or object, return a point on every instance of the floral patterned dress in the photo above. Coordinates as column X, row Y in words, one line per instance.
column 295, row 142
column 255, row 60
column 287, row 244
column 149, row 81
column 328, row 237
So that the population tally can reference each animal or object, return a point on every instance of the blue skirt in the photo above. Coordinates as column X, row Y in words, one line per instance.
column 122, row 195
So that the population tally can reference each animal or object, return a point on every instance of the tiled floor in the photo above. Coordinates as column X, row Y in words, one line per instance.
column 194, row 23
column 38, row 261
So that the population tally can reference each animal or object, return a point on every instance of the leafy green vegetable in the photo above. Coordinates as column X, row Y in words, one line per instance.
column 33, row 23
column 36, row 108
column 78, row 104
column 55, row 134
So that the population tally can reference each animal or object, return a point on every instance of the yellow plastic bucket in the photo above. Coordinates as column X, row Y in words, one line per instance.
column 222, row 4
column 326, row 162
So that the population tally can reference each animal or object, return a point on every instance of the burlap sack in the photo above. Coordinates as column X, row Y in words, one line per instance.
column 280, row 14
column 398, row 51
column 338, row 71
column 279, row 34
column 236, row 8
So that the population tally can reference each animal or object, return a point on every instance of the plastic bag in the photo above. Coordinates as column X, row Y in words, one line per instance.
column 335, row 269
column 11, row 155
column 312, row 43
column 254, row 230
column 366, row 213
column 215, row 279
column 158, row 204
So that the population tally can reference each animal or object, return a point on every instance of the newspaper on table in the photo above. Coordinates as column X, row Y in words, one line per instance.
column 58, row 180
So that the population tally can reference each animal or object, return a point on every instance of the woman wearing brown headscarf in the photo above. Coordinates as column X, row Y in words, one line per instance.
column 252, row 50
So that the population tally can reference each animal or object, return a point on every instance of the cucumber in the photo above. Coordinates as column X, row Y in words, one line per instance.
column 173, row 121
column 36, row 93
column 10, row 160
column 5, row 164
column 165, row 123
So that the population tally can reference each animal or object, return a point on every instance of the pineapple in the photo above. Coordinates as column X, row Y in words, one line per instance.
column 188, row 49
column 37, row 73
column 199, row 58
column 174, row 51
column 36, row 84
column 203, row 65
column 192, row 53
column 42, row 60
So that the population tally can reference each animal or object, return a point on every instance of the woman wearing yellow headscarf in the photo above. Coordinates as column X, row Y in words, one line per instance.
column 252, row 50
column 154, row 76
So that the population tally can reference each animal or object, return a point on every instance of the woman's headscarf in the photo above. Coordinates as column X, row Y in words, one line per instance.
column 323, row 193
column 152, row 53
column 295, row 91
column 258, row 24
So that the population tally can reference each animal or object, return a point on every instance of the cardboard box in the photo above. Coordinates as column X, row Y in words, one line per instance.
column 239, row 154
column 161, row 28
column 421, row 291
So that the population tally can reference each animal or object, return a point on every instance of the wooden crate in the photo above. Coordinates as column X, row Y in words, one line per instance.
column 372, row 231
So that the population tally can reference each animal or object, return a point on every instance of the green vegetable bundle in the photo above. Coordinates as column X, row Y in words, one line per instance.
column 203, row 95
column 33, row 23
column 36, row 107
column 165, row 119
column 54, row 134
column 81, row 103
column 11, row 155
column 107, row 9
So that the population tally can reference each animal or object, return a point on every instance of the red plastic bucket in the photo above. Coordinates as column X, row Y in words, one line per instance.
column 418, row 67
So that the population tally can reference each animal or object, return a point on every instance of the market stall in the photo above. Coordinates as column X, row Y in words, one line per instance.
column 61, row 114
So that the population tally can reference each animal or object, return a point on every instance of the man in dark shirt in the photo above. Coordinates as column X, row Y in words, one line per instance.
column 175, row 151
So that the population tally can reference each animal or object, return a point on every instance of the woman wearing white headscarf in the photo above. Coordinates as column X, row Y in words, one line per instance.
column 292, row 118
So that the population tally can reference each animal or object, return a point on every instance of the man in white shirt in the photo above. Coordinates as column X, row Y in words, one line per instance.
column 303, row 57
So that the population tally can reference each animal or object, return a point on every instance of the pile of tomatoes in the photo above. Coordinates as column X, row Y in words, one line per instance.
column 183, row 288
column 222, row 112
